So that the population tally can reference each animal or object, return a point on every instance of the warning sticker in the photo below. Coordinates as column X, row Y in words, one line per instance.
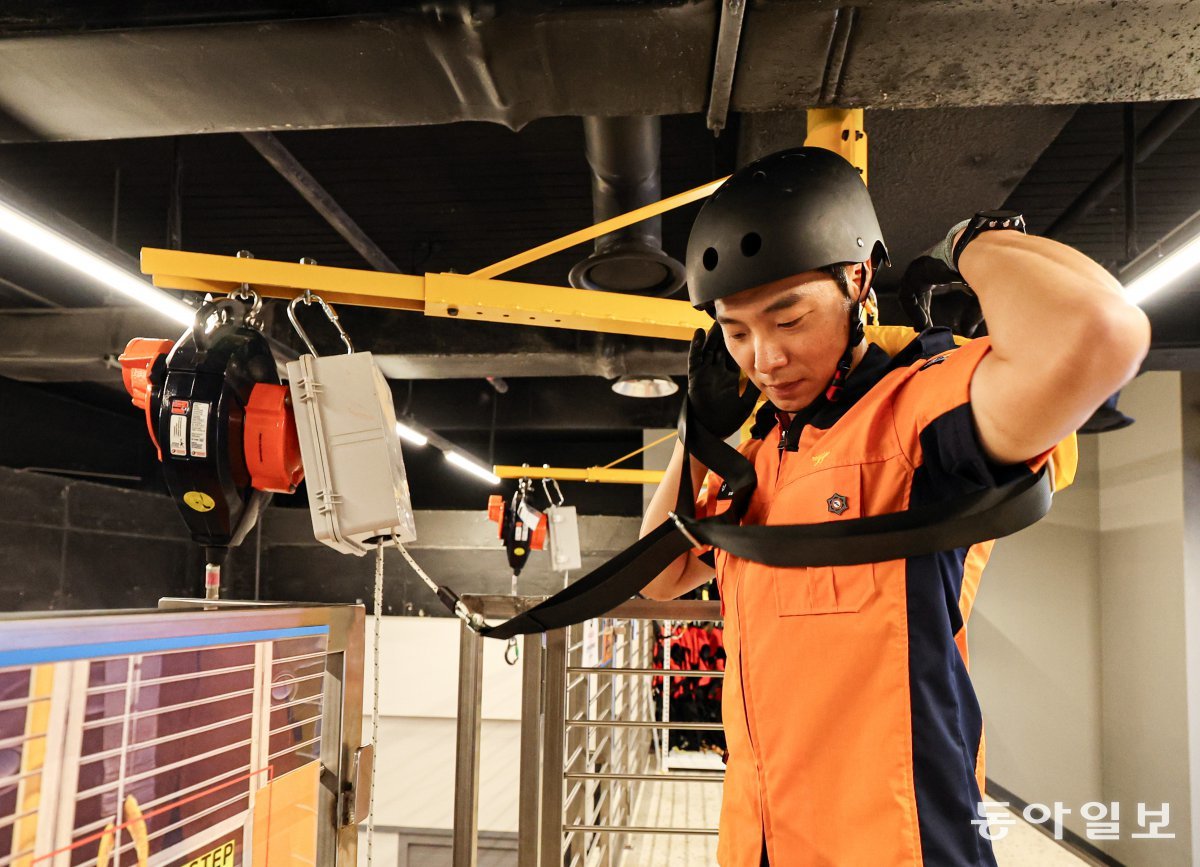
column 179, row 407
column 225, row 855
column 199, row 501
column 179, row 435
column 199, row 432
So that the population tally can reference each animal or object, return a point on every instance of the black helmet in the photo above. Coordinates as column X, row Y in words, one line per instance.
column 797, row 210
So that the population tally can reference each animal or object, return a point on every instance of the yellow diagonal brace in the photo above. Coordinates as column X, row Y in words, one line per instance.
column 203, row 272
column 602, row 228
column 472, row 299
column 581, row 474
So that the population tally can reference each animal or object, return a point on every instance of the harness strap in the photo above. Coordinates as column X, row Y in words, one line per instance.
column 966, row 520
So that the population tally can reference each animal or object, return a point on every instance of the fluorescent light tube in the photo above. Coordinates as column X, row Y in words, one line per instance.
column 90, row 264
column 413, row 436
column 465, row 463
column 1164, row 272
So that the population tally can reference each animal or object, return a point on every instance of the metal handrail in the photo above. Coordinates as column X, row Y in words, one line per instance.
column 652, row 672
column 715, row 777
column 587, row 747
column 639, row 829
column 646, row 724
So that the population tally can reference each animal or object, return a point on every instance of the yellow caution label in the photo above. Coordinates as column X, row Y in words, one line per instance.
column 199, row 501
column 222, row 856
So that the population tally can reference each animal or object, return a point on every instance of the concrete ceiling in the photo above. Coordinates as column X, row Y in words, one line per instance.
column 319, row 66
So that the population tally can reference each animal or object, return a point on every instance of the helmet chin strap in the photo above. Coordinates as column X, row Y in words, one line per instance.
column 833, row 391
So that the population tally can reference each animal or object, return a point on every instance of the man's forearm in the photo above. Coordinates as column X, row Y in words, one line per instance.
column 676, row 578
column 667, row 494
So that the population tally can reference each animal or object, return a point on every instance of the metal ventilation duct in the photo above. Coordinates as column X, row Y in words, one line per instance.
column 623, row 153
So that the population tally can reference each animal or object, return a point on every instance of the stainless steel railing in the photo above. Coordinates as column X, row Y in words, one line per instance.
column 590, row 741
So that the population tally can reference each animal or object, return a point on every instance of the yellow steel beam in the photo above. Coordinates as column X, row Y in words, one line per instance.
column 470, row 298
column 448, row 295
column 581, row 474
column 203, row 272
column 602, row 228
column 839, row 130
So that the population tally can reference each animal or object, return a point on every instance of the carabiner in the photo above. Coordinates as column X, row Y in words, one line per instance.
column 557, row 498
column 512, row 652
column 309, row 298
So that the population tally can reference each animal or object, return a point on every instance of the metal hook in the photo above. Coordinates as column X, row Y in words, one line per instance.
column 512, row 652
column 307, row 299
column 557, row 498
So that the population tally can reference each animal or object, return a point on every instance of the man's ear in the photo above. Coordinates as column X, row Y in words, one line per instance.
column 860, row 277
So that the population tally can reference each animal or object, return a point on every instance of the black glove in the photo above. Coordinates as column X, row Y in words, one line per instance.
column 933, row 268
column 713, row 378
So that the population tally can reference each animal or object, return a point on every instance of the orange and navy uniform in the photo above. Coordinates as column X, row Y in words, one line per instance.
column 855, row 738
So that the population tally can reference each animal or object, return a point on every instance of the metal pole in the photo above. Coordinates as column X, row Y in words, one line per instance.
column 466, row 772
column 528, row 838
column 729, row 35
column 555, row 732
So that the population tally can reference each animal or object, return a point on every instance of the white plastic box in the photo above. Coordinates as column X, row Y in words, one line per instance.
column 357, row 487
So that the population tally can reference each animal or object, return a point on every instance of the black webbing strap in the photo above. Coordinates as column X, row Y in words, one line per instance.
column 959, row 523
column 602, row 589
column 945, row 526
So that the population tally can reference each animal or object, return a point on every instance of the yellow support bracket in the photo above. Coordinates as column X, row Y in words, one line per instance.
column 839, row 130
column 581, row 474
column 475, row 299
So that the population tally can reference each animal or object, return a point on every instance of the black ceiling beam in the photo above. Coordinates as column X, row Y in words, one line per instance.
column 1149, row 140
column 281, row 159
column 47, row 431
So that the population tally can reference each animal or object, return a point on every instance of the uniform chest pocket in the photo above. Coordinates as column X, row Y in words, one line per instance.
column 828, row 495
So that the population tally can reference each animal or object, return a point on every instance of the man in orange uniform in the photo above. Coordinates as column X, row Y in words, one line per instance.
column 855, row 738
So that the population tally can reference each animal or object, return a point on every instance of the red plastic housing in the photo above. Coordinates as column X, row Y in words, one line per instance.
column 270, row 440
column 537, row 539
column 137, row 359
column 496, row 512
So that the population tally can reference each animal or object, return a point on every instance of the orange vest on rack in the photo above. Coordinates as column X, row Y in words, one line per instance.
column 855, row 738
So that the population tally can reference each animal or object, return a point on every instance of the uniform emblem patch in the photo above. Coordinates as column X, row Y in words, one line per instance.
column 837, row 504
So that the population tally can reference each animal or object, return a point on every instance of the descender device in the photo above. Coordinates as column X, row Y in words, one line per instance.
column 222, row 423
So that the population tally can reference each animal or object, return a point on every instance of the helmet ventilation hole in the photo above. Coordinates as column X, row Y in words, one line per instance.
column 760, row 176
column 710, row 259
column 751, row 244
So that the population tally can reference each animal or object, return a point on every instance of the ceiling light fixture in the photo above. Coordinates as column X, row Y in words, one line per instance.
column 1165, row 262
column 645, row 386
column 411, row 435
column 479, row 471
column 78, row 257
